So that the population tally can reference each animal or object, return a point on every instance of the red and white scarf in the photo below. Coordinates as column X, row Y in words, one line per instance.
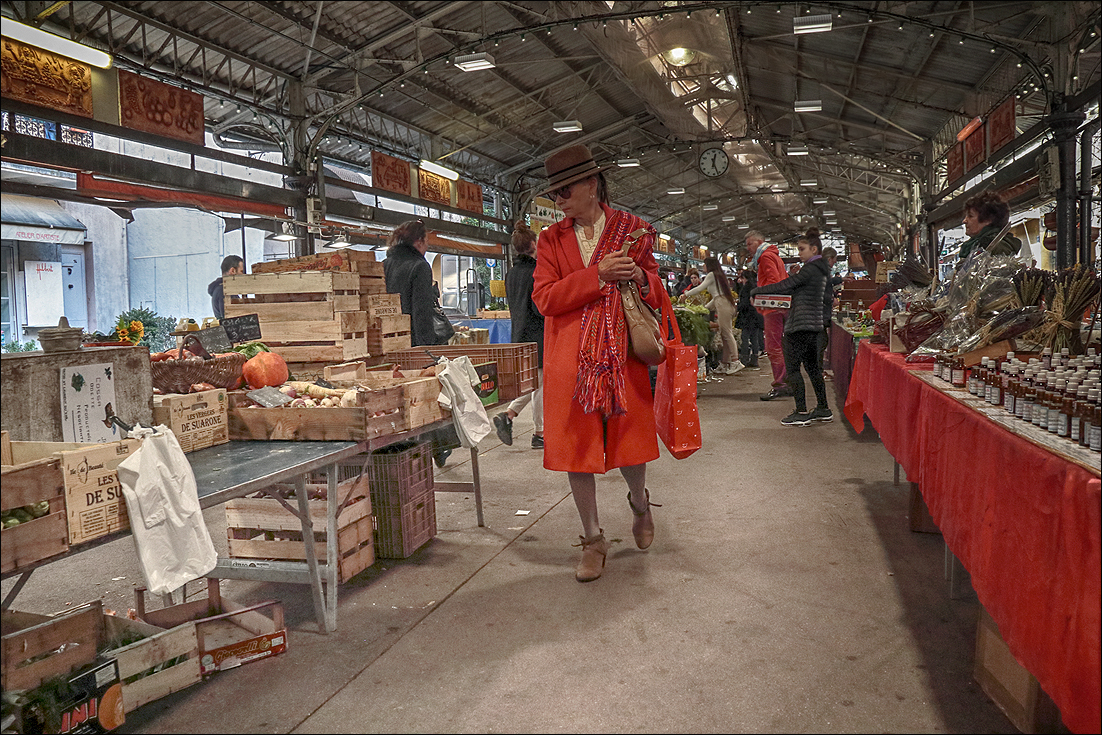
column 603, row 349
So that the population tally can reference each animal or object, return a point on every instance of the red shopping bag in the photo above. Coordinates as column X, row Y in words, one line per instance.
column 675, row 412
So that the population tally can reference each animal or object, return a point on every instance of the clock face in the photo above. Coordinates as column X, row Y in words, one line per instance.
column 714, row 162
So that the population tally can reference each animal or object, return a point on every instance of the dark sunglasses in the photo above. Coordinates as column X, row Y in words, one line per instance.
column 563, row 192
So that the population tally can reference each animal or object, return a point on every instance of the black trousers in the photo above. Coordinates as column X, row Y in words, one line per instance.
column 805, row 349
column 751, row 346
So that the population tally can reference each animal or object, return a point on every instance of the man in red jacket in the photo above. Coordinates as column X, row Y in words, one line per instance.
column 766, row 260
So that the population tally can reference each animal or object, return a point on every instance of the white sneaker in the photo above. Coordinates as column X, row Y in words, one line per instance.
column 734, row 367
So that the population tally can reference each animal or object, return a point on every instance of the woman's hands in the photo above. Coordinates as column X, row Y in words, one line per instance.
column 618, row 266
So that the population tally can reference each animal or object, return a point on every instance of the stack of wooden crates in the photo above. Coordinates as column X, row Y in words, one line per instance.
column 320, row 310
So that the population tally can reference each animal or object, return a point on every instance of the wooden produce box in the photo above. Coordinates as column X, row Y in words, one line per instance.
column 517, row 363
column 493, row 314
column 31, row 386
column 262, row 528
column 316, row 262
column 44, row 538
column 28, row 639
column 372, row 279
column 94, row 505
column 229, row 634
column 380, row 414
column 381, row 304
column 1009, row 684
column 343, row 338
column 199, row 420
column 156, row 647
column 292, row 296
column 387, row 334
column 420, row 396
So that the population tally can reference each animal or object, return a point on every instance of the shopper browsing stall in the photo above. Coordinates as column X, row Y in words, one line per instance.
column 984, row 217
column 723, row 302
column 765, row 259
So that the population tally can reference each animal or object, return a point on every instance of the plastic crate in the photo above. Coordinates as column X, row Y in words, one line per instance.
column 400, row 473
column 517, row 362
column 401, row 530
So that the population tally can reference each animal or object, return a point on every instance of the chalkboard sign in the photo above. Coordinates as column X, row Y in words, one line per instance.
column 241, row 329
column 213, row 340
column 269, row 397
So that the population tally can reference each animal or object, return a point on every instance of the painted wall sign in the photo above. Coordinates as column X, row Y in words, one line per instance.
column 468, row 196
column 1001, row 125
column 434, row 188
column 41, row 78
column 162, row 109
column 390, row 173
column 954, row 163
column 975, row 148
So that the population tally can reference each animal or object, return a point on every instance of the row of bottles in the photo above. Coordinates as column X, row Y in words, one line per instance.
column 1058, row 393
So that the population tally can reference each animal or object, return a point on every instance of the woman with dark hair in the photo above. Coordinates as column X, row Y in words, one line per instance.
column 803, row 330
column 984, row 216
column 527, row 327
column 410, row 275
column 723, row 302
column 598, row 407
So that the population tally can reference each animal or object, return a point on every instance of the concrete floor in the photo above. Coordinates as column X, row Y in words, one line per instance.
column 783, row 593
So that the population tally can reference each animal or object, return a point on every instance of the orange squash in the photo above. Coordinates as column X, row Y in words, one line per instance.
column 267, row 368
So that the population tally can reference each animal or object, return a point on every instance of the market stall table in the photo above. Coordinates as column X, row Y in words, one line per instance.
column 1023, row 520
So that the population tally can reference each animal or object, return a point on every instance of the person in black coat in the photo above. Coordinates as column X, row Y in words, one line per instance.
column 803, row 330
column 527, row 327
column 410, row 275
column 750, row 322
column 232, row 265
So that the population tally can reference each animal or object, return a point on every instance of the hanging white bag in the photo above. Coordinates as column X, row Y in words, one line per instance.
column 174, row 546
column 458, row 395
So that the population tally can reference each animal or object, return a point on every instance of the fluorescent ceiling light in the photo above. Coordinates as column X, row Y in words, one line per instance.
column 819, row 200
column 627, row 162
column 812, row 24
column 466, row 240
column 678, row 190
column 710, row 207
column 809, row 182
column 729, row 218
column 744, row 227
column 56, row 44
column 809, row 105
column 828, row 212
column 567, row 126
column 342, row 241
column 797, row 150
column 439, row 170
column 474, row 62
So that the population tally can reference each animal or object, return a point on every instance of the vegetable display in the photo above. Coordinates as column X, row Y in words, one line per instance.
column 265, row 369
column 15, row 516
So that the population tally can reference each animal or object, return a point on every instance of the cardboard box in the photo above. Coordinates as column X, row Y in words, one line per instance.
column 895, row 343
column 885, row 270
column 93, row 501
column 1009, row 684
column 199, row 420
column 97, row 701
column 772, row 301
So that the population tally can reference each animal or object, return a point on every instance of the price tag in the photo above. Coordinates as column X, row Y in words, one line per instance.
column 269, row 397
column 213, row 340
column 241, row 329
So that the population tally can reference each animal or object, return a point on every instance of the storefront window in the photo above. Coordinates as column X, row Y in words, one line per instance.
column 7, row 295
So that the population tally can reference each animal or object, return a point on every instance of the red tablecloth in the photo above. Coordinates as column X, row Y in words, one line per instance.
column 1026, row 524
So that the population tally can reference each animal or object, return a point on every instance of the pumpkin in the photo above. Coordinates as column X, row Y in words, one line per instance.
column 266, row 368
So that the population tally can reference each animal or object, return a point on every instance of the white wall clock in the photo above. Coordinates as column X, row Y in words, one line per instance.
column 714, row 162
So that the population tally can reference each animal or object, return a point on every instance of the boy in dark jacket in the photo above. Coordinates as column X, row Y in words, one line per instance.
column 750, row 321
column 803, row 330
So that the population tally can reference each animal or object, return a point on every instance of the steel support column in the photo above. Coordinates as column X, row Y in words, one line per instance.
column 1086, row 140
column 1064, row 126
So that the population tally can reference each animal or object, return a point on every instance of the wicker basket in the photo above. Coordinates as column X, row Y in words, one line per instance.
column 177, row 376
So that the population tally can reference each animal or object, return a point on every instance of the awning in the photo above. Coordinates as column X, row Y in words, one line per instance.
column 38, row 220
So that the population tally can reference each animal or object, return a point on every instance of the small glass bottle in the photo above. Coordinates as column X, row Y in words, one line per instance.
column 1052, row 425
column 996, row 398
column 958, row 372
column 1095, row 423
column 1025, row 406
column 1046, row 358
column 1083, row 417
column 1040, row 407
column 1010, row 392
column 1063, row 417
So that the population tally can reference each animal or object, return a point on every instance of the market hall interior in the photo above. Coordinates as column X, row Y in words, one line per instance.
column 784, row 592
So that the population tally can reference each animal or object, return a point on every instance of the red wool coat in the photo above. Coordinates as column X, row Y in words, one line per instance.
column 575, row 441
column 771, row 269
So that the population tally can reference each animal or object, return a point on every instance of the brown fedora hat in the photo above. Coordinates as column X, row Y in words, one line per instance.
column 569, row 165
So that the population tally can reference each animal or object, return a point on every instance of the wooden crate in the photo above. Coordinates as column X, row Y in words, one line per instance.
column 420, row 395
column 5, row 448
column 35, row 541
column 387, row 334
column 94, row 505
column 381, row 304
column 316, row 262
column 28, row 641
column 381, row 414
column 1009, row 684
column 337, row 340
column 229, row 634
column 199, row 420
column 261, row 528
column 493, row 314
column 517, row 363
column 292, row 296
column 86, row 622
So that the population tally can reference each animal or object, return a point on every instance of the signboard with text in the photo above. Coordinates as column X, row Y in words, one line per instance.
column 1001, row 125
column 390, row 173
column 975, row 148
column 954, row 163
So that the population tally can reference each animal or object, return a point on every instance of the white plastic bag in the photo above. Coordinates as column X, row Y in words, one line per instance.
column 171, row 537
column 457, row 394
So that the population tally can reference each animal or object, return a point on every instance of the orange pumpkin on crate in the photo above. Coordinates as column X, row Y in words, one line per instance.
column 267, row 368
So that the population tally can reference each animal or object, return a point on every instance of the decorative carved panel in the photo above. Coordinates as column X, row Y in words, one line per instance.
column 155, row 107
column 41, row 78
column 954, row 163
column 389, row 173
column 434, row 188
column 975, row 148
column 1001, row 125
column 468, row 196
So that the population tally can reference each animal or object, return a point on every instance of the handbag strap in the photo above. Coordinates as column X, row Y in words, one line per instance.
column 667, row 317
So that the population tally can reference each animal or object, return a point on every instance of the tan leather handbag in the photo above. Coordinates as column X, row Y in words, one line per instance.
column 644, row 332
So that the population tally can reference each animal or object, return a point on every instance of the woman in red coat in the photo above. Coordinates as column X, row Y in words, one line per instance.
column 598, row 408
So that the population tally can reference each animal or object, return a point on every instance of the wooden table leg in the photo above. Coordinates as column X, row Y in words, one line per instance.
column 477, row 487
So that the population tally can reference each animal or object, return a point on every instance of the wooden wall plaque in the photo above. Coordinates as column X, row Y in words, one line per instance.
column 390, row 173
column 434, row 188
column 162, row 109
column 45, row 79
column 468, row 196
